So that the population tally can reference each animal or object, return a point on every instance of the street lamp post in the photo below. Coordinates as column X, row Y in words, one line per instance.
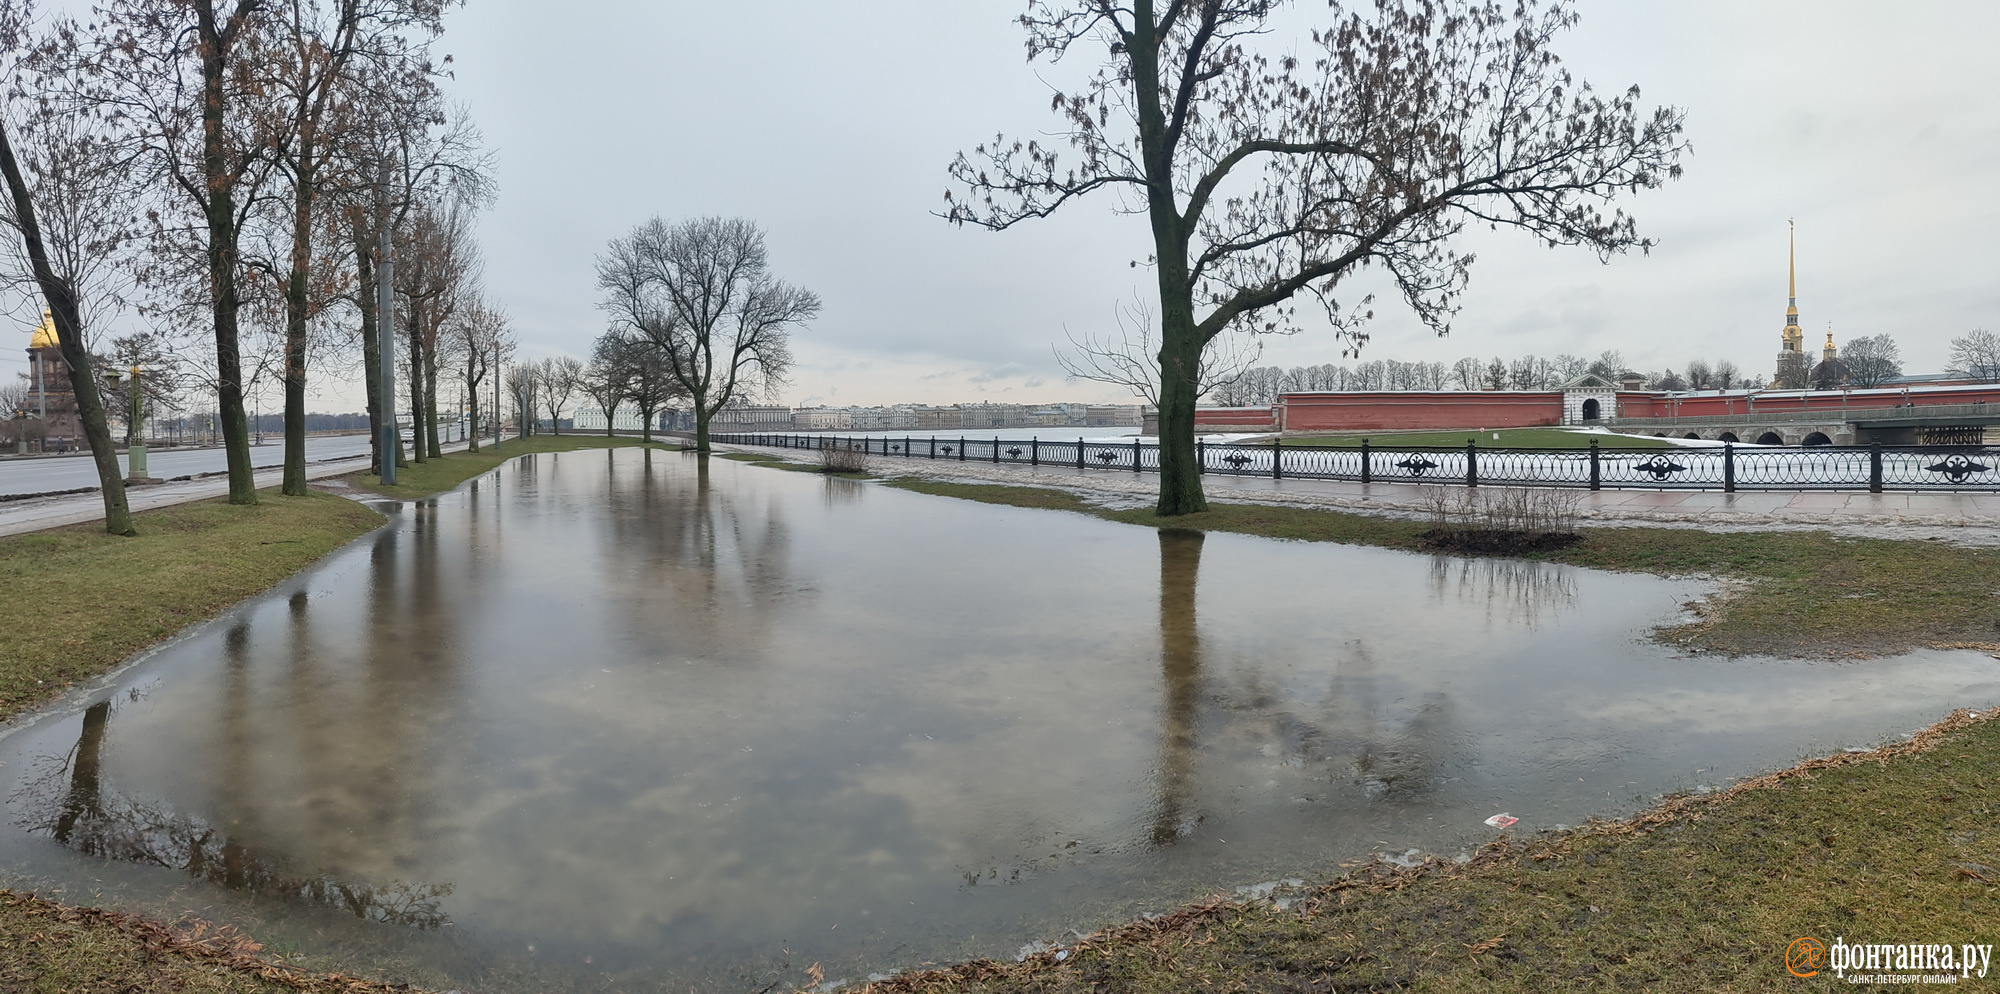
column 135, row 450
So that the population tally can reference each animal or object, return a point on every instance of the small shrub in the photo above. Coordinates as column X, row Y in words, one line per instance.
column 1508, row 521
column 842, row 460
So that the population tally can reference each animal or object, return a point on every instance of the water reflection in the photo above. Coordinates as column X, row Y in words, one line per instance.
column 71, row 803
column 631, row 721
column 1180, row 681
column 1514, row 590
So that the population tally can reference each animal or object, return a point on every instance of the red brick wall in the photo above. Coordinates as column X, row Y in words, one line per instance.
column 1223, row 417
column 1419, row 410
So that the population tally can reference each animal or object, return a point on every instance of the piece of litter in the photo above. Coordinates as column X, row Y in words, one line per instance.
column 1502, row 820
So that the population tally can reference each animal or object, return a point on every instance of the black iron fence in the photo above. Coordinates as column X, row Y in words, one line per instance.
column 1725, row 467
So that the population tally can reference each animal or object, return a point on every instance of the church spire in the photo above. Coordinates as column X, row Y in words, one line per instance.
column 1794, row 336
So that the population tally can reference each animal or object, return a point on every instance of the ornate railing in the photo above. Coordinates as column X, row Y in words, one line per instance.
column 1727, row 467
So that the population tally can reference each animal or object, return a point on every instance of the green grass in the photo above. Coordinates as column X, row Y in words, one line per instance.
column 1801, row 593
column 1702, row 894
column 435, row 476
column 85, row 601
column 1510, row 438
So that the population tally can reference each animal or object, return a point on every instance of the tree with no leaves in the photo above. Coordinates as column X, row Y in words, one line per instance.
column 559, row 377
column 1265, row 176
column 1872, row 360
column 608, row 380
column 702, row 292
column 524, row 385
column 1976, row 356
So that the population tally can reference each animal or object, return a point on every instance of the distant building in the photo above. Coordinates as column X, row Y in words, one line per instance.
column 751, row 418
column 884, row 419
column 823, row 419
column 50, row 404
column 939, row 418
column 1111, row 416
column 623, row 419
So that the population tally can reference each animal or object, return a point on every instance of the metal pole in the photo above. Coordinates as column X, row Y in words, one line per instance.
column 135, row 453
column 1595, row 478
column 385, row 320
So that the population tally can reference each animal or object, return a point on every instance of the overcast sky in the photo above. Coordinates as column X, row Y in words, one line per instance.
column 1877, row 126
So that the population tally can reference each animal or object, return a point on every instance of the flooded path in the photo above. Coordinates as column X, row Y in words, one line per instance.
column 616, row 720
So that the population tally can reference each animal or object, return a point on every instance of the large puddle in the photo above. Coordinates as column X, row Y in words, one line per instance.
column 615, row 720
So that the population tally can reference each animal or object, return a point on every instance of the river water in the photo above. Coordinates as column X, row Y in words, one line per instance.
column 632, row 720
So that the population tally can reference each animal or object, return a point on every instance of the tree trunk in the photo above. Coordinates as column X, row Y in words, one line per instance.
column 371, row 349
column 220, row 207
column 61, row 298
column 295, row 336
column 1180, row 369
column 471, row 402
column 646, row 424
column 415, row 348
column 430, row 395
column 701, row 413
column 609, row 414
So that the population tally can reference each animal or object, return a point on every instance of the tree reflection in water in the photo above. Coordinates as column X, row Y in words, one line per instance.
column 1180, row 678
column 72, row 803
column 1515, row 590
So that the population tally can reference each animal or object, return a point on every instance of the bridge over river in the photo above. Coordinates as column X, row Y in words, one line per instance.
column 1935, row 424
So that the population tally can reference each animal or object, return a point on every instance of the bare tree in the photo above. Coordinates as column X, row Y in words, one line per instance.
column 1975, row 355
column 1467, row 372
column 703, row 293
column 608, row 380
column 1872, row 360
column 1267, row 175
column 1132, row 360
column 652, row 385
column 560, row 377
column 306, row 57
column 1725, row 374
column 524, row 385
column 478, row 336
column 72, row 171
column 176, row 76
column 1700, row 376
column 1793, row 370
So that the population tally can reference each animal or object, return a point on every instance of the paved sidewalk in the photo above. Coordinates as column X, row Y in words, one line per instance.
column 36, row 514
column 1960, row 518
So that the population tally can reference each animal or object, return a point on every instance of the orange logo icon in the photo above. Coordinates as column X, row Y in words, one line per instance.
column 1805, row 956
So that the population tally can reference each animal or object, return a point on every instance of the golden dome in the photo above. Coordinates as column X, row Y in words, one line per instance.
column 45, row 336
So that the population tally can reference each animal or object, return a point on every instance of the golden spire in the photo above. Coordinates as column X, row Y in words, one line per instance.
column 45, row 336
column 1794, row 336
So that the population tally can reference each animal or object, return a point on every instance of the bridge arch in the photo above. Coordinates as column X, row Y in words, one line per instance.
column 1691, row 435
column 1727, row 436
column 1770, row 438
column 1817, row 438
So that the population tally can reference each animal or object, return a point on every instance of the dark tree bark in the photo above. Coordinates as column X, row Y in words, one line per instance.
column 63, row 310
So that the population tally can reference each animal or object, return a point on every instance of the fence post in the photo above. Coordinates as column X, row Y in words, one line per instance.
column 1035, row 451
column 1728, row 467
column 907, row 451
column 1595, row 478
column 1200, row 457
column 1136, row 460
column 961, row 448
column 933, row 446
column 1277, row 460
column 1875, row 466
column 1079, row 452
column 996, row 448
column 1367, row 474
column 1471, row 462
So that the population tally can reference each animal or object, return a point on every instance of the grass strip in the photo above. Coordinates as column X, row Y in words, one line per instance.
column 1809, row 594
column 1700, row 894
column 87, row 601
